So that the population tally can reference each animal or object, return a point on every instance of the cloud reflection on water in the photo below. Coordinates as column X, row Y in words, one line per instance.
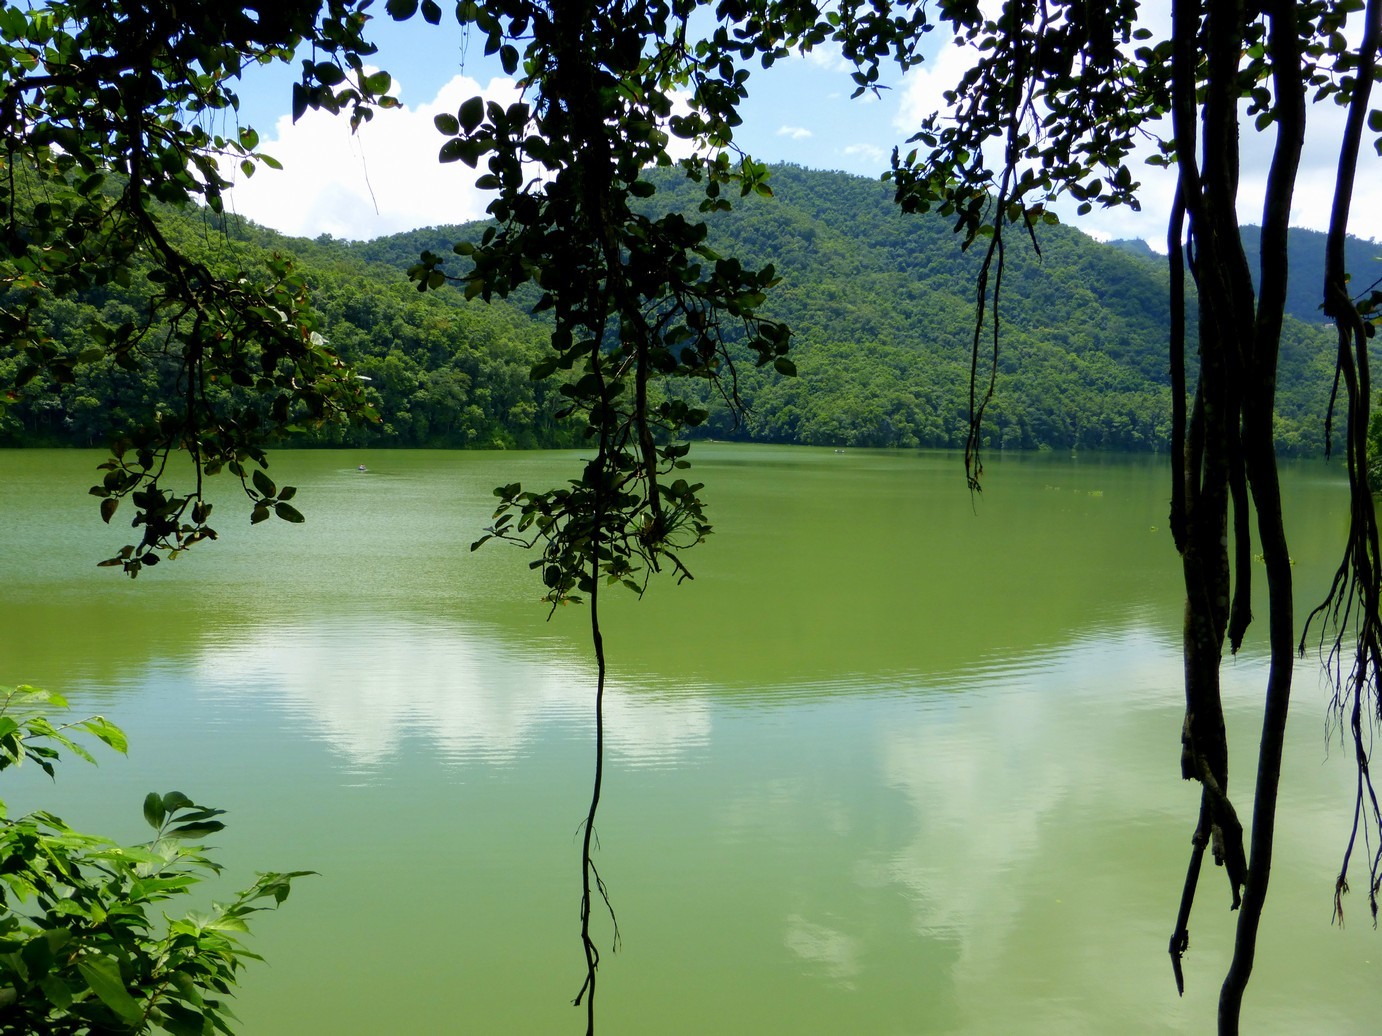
column 1021, row 821
column 365, row 688
column 836, row 953
column 995, row 850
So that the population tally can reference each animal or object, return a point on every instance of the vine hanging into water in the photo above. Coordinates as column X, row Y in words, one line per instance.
column 1353, row 606
column 637, row 298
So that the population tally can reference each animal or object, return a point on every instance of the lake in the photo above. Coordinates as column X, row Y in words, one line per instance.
column 897, row 761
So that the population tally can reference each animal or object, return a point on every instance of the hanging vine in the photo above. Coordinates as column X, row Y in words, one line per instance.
column 1352, row 611
column 1062, row 93
column 636, row 298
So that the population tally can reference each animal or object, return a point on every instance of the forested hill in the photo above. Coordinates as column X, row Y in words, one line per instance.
column 883, row 309
column 445, row 372
column 882, row 305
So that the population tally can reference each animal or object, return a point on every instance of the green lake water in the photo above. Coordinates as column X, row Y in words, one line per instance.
column 897, row 761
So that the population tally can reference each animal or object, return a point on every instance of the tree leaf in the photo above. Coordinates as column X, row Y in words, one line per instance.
column 102, row 974
column 176, row 800
column 196, row 830
column 458, row 149
column 472, row 113
column 154, row 812
column 107, row 733
column 180, row 1020
column 328, row 73
column 58, row 992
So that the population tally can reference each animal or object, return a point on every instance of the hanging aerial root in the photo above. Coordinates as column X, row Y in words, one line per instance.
column 1180, row 938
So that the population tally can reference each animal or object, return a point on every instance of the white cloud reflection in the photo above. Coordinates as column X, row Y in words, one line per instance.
column 1043, row 811
column 834, row 952
column 365, row 689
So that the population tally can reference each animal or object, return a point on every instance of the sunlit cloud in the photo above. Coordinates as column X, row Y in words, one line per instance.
column 829, row 58
column 383, row 179
column 1314, row 192
column 795, row 132
column 1311, row 202
column 922, row 93
column 869, row 152
column 922, row 90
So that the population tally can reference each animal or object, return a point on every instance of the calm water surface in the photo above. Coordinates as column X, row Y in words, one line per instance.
column 895, row 762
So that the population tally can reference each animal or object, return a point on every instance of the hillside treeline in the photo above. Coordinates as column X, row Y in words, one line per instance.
column 442, row 371
column 882, row 306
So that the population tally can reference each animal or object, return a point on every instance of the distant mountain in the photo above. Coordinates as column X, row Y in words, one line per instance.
column 443, row 371
column 1306, row 252
column 1306, row 255
column 882, row 306
column 1134, row 246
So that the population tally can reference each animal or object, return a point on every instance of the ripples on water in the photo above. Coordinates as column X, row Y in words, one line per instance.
column 827, row 809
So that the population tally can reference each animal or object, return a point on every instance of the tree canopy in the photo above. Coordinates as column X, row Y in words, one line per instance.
column 105, row 112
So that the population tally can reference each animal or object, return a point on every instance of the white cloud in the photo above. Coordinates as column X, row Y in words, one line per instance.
column 1311, row 201
column 922, row 93
column 1315, row 182
column 922, row 89
column 795, row 132
column 829, row 57
column 870, row 152
column 383, row 179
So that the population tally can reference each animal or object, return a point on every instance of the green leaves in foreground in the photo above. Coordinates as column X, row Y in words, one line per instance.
column 81, row 949
column 644, row 311
column 172, row 522
column 236, row 350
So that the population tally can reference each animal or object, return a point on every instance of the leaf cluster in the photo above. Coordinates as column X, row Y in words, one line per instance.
column 635, row 300
column 81, row 949
column 109, row 115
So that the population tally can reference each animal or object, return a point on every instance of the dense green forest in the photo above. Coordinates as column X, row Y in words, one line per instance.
column 445, row 372
column 882, row 305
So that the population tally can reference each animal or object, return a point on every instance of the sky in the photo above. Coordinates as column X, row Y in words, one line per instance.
column 386, row 178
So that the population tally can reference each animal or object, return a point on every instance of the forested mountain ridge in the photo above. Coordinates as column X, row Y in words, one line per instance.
column 882, row 306
column 444, row 371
